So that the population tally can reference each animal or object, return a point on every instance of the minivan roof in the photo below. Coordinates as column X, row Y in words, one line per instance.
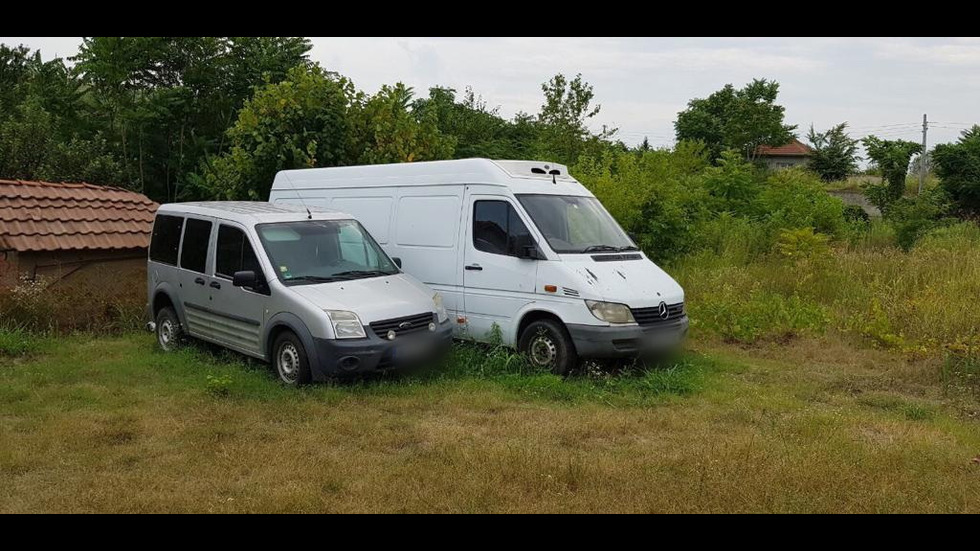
column 518, row 176
column 252, row 212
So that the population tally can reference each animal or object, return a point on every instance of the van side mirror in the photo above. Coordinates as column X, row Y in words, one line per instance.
column 245, row 278
column 531, row 252
column 397, row 261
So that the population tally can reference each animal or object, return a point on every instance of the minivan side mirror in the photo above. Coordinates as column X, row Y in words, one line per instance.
column 245, row 278
column 397, row 261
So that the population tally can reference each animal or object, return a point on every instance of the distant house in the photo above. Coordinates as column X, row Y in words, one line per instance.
column 74, row 234
column 795, row 153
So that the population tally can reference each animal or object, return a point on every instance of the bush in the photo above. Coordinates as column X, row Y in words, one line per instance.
column 802, row 244
column 796, row 198
column 749, row 317
column 17, row 342
column 958, row 167
column 913, row 217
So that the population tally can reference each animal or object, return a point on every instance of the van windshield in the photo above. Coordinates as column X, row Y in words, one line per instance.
column 575, row 224
column 318, row 251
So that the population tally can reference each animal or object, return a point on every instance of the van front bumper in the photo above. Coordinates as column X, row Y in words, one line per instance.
column 609, row 341
column 346, row 357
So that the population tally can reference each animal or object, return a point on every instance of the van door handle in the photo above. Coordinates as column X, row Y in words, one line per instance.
column 215, row 285
column 199, row 280
column 474, row 267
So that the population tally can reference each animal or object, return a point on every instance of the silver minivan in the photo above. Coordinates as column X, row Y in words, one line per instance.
column 309, row 291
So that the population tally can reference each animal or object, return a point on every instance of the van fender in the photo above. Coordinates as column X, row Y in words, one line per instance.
column 296, row 325
column 168, row 289
column 533, row 306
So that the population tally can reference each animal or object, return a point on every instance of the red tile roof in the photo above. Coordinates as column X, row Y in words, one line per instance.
column 795, row 148
column 41, row 216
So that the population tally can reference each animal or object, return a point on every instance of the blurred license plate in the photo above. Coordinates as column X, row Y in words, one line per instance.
column 409, row 350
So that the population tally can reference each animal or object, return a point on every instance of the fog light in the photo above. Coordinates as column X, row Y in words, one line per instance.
column 391, row 335
column 432, row 326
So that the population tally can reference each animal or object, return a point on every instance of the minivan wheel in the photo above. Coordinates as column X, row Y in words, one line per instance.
column 290, row 360
column 547, row 345
column 169, row 332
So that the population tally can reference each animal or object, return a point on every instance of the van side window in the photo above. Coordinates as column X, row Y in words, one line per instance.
column 234, row 253
column 166, row 239
column 197, row 236
column 497, row 228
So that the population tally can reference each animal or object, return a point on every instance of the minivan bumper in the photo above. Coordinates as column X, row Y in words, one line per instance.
column 342, row 357
column 606, row 341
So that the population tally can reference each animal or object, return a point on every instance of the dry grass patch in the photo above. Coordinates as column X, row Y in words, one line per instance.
column 109, row 424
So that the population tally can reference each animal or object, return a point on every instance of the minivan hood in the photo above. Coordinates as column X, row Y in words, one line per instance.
column 372, row 299
column 636, row 283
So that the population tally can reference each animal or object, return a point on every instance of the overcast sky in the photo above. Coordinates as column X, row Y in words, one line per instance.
column 878, row 85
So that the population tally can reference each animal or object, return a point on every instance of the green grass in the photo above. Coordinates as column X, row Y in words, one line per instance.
column 18, row 342
column 110, row 424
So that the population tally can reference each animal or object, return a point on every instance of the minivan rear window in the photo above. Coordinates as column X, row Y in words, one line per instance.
column 197, row 235
column 165, row 243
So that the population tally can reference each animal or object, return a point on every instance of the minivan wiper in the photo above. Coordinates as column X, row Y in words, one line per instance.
column 354, row 274
column 628, row 248
column 597, row 248
column 319, row 279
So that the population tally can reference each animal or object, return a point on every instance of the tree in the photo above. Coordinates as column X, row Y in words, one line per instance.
column 474, row 129
column 164, row 103
column 834, row 153
column 741, row 119
column 958, row 167
column 315, row 118
column 301, row 122
column 563, row 132
column 385, row 130
column 892, row 158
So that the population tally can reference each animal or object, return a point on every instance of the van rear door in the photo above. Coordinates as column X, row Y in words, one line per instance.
column 497, row 284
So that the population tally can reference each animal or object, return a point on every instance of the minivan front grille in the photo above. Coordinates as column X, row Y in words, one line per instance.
column 651, row 316
column 404, row 325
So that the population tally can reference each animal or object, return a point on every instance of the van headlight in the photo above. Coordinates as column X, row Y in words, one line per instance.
column 611, row 312
column 441, row 314
column 346, row 325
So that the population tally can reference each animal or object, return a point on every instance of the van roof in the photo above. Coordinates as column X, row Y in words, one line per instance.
column 252, row 212
column 519, row 176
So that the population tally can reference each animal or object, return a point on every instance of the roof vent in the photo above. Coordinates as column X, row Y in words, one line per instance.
column 536, row 170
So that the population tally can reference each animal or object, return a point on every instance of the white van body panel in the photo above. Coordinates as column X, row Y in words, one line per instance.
column 422, row 213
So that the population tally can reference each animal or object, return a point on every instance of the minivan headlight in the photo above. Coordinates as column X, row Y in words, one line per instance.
column 346, row 325
column 441, row 314
column 611, row 312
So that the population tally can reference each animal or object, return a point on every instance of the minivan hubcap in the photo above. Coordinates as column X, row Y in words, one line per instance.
column 288, row 362
column 166, row 334
column 543, row 351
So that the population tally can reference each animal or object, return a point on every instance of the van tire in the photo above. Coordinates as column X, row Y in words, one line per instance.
column 546, row 344
column 170, row 334
column 290, row 361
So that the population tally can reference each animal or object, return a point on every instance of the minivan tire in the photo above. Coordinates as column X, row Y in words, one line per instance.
column 546, row 344
column 169, row 332
column 290, row 360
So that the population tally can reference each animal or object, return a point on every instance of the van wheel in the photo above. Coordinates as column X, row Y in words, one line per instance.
column 547, row 345
column 289, row 358
column 169, row 331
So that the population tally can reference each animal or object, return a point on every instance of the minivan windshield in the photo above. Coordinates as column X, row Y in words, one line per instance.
column 318, row 251
column 575, row 224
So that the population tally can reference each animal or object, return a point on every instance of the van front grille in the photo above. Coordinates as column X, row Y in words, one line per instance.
column 651, row 316
column 404, row 325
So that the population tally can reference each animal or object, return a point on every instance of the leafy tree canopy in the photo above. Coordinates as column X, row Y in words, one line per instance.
column 958, row 167
column 738, row 119
column 892, row 158
column 834, row 153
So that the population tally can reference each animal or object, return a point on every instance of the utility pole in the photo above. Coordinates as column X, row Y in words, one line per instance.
column 922, row 157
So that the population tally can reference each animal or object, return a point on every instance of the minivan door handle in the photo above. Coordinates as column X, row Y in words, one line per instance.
column 474, row 267
column 215, row 285
column 199, row 280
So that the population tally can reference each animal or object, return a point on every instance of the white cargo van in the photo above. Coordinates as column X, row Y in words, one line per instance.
column 520, row 245
column 309, row 291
